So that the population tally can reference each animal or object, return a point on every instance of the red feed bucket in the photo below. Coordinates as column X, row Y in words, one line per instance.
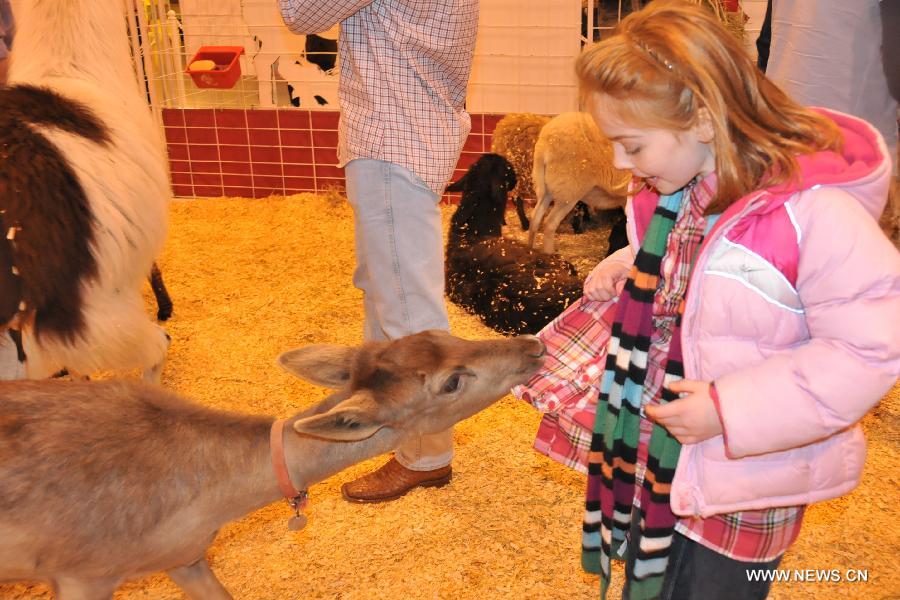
column 227, row 67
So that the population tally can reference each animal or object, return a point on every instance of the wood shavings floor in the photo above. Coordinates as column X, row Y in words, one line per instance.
column 251, row 278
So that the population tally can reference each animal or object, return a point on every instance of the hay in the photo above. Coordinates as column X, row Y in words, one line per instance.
column 251, row 278
column 732, row 21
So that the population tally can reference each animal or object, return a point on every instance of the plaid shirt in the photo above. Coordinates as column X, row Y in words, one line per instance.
column 404, row 69
column 566, row 388
column 749, row 536
column 6, row 28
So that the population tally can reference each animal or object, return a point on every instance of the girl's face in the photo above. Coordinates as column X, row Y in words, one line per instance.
column 666, row 159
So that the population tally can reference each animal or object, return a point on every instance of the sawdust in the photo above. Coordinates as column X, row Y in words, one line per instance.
column 251, row 278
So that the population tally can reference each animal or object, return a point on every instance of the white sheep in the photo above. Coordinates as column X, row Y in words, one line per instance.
column 514, row 138
column 86, row 189
column 572, row 163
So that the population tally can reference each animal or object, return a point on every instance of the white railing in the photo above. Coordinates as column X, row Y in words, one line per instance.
column 522, row 61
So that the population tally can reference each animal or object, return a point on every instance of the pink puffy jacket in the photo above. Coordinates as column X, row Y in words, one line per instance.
column 794, row 311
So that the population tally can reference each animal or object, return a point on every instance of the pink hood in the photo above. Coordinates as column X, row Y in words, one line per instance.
column 862, row 168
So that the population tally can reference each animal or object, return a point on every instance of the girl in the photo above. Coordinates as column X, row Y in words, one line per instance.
column 758, row 319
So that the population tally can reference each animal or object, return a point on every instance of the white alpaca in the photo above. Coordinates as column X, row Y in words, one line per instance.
column 79, row 50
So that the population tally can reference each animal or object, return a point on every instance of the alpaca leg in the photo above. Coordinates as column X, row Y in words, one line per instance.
column 16, row 336
column 199, row 582
column 12, row 364
column 154, row 373
column 163, row 300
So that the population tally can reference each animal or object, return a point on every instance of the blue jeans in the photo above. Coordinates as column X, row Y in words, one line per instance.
column 400, row 270
column 694, row 572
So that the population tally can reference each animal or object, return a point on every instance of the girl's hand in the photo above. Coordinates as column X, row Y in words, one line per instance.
column 603, row 282
column 692, row 418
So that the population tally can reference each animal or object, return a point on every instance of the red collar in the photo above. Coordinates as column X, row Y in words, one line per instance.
column 297, row 498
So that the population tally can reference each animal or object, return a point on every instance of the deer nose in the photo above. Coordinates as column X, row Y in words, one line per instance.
column 541, row 349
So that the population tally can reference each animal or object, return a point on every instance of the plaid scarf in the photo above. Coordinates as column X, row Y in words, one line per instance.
column 644, row 355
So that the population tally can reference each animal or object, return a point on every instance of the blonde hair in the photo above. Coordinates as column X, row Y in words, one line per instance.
column 672, row 59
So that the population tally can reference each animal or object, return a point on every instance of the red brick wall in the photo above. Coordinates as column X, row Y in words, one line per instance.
column 260, row 152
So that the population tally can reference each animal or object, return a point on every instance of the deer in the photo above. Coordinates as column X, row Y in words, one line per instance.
column 104, row 481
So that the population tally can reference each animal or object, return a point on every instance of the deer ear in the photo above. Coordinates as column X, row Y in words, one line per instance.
column 322, row 364
column 356, row 418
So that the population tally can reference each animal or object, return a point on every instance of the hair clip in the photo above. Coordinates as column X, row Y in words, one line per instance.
column 653, row 54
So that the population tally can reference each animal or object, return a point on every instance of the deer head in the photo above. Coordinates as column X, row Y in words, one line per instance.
column 423, row 383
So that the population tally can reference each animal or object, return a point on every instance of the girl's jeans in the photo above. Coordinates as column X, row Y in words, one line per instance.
column 400, row 270
column 694, row 572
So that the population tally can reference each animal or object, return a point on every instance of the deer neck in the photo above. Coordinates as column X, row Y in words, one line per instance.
column 251, row 481
column 311, row 460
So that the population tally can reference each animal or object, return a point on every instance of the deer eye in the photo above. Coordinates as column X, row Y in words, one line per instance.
column 452, row 384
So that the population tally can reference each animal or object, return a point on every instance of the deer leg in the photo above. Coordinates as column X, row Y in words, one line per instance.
column 163, row 300
column 199, row 582
column 72, row 588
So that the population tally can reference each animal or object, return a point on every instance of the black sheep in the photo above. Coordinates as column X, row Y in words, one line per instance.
column 512, row 288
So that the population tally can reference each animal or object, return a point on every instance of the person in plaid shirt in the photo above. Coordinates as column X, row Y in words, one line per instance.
column 757, row 320
column 6, row 35
column 404, row 68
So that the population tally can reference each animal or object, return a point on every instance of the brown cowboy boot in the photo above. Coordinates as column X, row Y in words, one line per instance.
column 393, row 480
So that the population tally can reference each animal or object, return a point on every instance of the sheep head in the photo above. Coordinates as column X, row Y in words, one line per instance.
column 482, row 208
